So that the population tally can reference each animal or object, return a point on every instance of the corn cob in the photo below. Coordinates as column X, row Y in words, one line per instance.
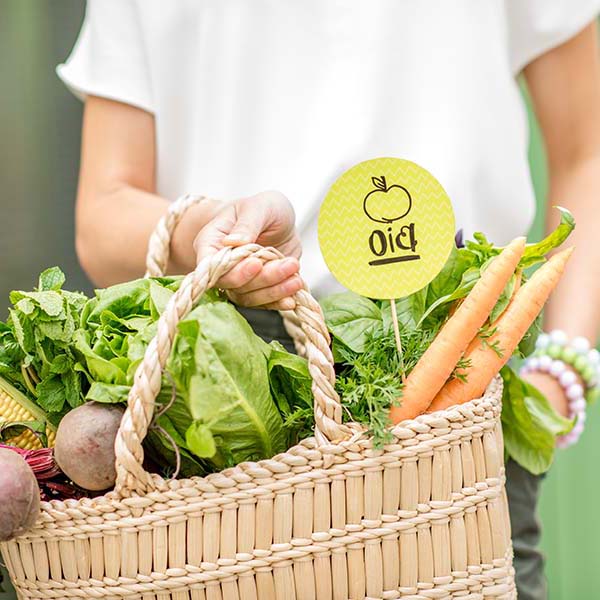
column 15, row 407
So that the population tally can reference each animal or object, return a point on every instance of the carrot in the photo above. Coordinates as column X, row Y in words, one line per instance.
column 487, row 357
column 439, row 360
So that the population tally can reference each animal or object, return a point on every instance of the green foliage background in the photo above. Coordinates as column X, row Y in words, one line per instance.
column 39, row 150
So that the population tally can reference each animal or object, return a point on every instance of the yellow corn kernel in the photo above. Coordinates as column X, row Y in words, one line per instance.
column 12, row 411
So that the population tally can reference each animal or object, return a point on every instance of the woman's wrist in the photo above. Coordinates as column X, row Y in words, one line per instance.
column 565, row 371
column 183, row 256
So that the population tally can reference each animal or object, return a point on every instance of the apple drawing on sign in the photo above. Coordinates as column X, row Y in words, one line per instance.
column 386, row 204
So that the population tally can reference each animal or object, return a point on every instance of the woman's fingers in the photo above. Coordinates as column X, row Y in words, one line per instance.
column 242, row 274
column 272, row 273
column 252, row 275
column 269, row 295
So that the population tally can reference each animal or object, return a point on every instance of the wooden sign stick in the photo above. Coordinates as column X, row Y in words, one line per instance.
column 397, row 336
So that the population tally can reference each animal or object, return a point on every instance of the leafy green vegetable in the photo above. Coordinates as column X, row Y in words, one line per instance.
column 351, row 318
column 291, row 389
column 370, row 382
column 530, row 424
column 36, row 344
column 468, row 279
column 534, row 253
column 226, row 396
column 220, row 372
column 409, row 310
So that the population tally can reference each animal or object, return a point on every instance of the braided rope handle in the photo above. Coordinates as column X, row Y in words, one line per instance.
column 159, row 247
column 131, row 476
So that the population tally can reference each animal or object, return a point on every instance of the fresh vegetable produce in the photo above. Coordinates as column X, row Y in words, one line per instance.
column 440, row 359
column 227, row 396
column 51, row 480
column 431, row 322
column 19, row 495
column 487, row 355
column 22, row 422
column 36, row 345
column 85, row 445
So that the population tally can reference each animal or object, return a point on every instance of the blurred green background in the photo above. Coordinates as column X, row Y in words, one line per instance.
column 40, row 122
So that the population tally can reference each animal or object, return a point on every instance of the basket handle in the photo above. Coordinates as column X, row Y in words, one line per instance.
column 159, row 247
column 131, row 476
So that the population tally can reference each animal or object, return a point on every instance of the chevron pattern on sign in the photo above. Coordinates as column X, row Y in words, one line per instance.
column 386, row 228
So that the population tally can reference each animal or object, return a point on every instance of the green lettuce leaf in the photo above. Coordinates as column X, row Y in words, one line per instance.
column 220, row 370
column 351, row 318
column 291, row 387
column 409, row 310
column 530, row 424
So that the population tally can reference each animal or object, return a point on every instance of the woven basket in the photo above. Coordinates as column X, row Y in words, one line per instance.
column 332, row 518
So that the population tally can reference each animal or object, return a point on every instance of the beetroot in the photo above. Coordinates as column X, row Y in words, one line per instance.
column 19, row 495
column 85, row 445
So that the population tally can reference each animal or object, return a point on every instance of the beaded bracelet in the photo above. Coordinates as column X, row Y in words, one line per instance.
column 573, row 391
column 554, row 355
column 577, row 354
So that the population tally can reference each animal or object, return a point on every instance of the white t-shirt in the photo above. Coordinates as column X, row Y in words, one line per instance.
column 287, row 94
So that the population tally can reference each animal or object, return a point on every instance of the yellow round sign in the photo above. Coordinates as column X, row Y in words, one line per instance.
column 386, row 228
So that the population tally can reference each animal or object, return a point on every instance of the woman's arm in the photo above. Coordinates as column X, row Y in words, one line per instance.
column 565, row 88
column 118, row 208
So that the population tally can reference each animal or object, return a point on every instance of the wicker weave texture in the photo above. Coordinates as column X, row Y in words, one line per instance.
column 332, row 518
column 425, row 518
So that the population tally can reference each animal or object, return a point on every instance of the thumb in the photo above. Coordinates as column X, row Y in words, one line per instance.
column 251, row 220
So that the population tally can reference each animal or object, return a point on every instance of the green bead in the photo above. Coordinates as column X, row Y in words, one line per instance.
column 588, row 373
column 553, row 350
column 580, row 364
column 569, row 355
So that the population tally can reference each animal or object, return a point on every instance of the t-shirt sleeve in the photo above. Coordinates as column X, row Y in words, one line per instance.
column 109, row 58
column 536, row 26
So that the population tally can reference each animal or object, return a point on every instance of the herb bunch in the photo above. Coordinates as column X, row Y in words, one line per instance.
column 370, row 382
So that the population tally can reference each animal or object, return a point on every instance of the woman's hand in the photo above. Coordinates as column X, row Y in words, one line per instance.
column 267, row 219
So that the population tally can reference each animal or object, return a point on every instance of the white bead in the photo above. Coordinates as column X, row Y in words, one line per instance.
column 533, row 363
column 542, row 341
column 574, row 391
column 557, row 367
column 577, row 406
column 594, row 357
column 581, row 417
column 567, row 378
column 580, row 345
column 557, row 336
column 545, row 362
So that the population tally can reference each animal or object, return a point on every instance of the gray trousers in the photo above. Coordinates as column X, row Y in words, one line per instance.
column 522, row 487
